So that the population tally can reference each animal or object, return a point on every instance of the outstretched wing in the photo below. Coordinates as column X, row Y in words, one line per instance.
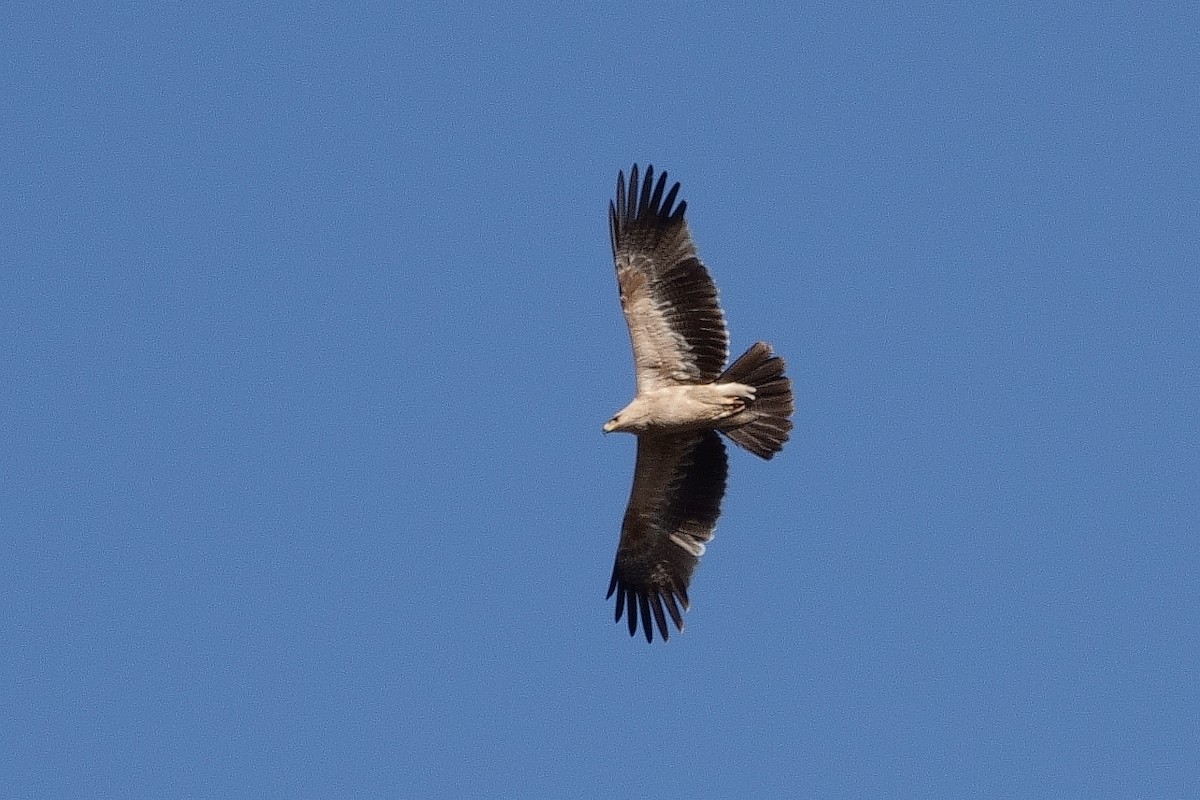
column 678, row 485
column 670, row 302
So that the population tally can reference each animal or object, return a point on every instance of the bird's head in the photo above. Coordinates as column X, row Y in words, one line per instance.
column 631, row 418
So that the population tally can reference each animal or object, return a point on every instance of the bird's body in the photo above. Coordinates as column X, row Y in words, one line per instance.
column 685, row 407
column 684, row 397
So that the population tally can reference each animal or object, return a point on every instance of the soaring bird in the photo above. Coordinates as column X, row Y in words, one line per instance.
column 680, row 345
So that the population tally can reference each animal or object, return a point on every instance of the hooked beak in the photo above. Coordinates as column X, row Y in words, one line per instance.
column 608, row 426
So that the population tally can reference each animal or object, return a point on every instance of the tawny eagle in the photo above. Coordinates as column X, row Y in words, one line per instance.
column 683, row 400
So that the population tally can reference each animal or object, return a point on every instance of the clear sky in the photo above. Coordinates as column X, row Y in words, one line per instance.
column 308, row 328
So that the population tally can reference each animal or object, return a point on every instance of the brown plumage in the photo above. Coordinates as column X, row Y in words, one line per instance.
column 680, row 345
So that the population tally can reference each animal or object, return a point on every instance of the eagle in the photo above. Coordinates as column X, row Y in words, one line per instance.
column 685, row 398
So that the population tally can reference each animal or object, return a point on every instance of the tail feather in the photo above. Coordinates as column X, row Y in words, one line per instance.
column 764, row 426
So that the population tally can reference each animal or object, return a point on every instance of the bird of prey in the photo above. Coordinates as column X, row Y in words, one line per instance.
column 684, row 398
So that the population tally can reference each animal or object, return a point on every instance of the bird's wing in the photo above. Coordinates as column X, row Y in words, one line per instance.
column 678, row 485
column 670, row 302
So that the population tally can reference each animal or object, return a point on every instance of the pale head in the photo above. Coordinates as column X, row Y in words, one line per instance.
column 614, row 424
column 632, row 417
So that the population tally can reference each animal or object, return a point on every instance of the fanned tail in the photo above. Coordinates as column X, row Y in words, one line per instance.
column 763, row 427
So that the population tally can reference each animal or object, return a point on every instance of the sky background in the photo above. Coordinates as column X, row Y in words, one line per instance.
column 308, row 328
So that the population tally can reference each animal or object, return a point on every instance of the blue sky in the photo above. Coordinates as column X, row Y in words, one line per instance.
column 309, row 327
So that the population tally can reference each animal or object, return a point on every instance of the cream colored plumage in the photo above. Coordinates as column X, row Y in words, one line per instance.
column 680, row 345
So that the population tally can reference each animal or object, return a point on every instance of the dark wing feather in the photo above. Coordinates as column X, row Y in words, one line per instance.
column 670, row 302
column 678, row 485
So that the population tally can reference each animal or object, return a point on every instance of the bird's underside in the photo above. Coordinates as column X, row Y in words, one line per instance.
column 685, row 407
column 684, row 399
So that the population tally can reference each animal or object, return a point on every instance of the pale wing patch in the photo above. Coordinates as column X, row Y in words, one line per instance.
column 662, row 356
column 687, row 543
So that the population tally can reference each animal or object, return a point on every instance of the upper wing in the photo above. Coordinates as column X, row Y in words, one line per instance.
column 676, row 498
column 670, row 302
